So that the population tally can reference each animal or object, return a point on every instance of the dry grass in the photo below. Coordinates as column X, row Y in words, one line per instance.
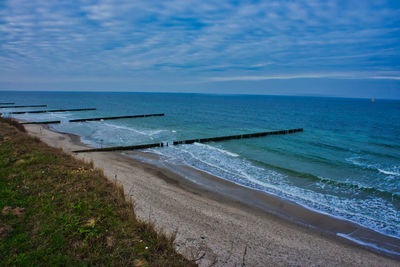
column 14, row 123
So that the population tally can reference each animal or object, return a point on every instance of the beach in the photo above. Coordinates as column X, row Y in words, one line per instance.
column 234, row 133
column 213, row 224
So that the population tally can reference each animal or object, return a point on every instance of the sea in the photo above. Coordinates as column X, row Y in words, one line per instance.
column 346, row 162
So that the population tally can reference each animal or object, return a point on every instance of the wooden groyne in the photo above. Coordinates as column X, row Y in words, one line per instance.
column 52, row 110
column 119, row 148
column 30, row 106
column 11, row 103
column 118, row 117
column 41, row 122
column 191, row 141
column 241, row 136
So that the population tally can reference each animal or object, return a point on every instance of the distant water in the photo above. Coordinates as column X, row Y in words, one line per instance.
column 346, row 162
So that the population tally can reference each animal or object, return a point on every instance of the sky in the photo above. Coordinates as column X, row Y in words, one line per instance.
column 310, row 47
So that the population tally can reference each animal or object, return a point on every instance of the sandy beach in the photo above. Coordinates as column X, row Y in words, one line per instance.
column 219, row 223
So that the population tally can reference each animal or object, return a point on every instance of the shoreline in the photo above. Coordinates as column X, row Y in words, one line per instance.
column 259, row 201
column 198, row 194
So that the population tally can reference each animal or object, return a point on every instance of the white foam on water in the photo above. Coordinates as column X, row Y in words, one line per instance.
column 146, row 132
column 109, row 134
column 389, row 172
column 218, row 149
column 359, row 161
column 376, row 213
column 368, row 244
column 63, row 116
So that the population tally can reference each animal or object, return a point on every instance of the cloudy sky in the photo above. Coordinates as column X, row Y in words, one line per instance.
column 310, row 47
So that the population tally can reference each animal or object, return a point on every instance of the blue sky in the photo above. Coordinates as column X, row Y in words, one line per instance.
column 311, row 47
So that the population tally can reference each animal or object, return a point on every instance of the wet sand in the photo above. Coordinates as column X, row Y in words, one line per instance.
column 221, row 223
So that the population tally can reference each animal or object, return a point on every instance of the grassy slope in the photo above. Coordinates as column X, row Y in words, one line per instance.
column 73, row 215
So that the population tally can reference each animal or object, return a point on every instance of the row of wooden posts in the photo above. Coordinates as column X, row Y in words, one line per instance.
column 191, row 141
column 134, row 147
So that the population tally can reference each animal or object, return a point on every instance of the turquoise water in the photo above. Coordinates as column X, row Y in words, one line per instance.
column 346, row 162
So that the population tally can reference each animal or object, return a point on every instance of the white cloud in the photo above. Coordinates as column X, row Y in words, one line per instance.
column 192, row 37
column 345, row 75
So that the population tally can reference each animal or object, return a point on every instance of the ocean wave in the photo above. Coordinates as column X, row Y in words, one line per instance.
column 218, row 149
column 359, row 161
column 355, row 148
column 337, row 184
column 387, row 145
column 277, row 182
column 367, row 189
column 247, row 168
column 389, row 172
column 368, row 244
column 146, row 132
column 326, row 145
column 293, row 154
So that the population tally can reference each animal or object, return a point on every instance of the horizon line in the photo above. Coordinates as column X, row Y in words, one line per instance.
column 201, row 93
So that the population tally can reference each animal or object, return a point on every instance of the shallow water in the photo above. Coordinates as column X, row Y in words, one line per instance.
column 346, row 162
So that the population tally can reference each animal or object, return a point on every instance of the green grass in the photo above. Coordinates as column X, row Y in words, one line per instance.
column 73, row 215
